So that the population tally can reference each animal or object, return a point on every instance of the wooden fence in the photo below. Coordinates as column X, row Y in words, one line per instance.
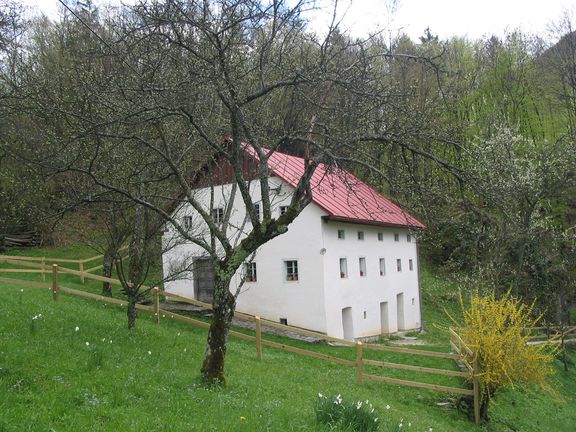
column 463, row 354
column 42, row 265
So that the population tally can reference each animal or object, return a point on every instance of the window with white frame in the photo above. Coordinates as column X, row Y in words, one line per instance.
column 410, row 265
column 187, row 222
column 291, row 270
column 343, row 268
column 362, row 266
column 382, row 267
column 283, row 209
column 380, row 236
column 396, row 237
column 360, row 235
column 218, row 215
column 399, row 264
column 250, row 275
column 409, row 238
column 341, row 234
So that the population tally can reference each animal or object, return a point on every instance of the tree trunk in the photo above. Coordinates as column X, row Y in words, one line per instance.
column 223, row 305
column 486, row 396
column 107, row 272
column 131, row 312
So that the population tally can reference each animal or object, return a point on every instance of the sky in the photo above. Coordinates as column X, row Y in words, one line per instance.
column 446, row 18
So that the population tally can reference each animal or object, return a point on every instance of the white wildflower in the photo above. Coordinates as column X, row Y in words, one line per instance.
column 387, row 406
column 149, row 352
column 22, row 290
column 87, row 343
column 76, row 328
column 358, row 405
column 320, row 395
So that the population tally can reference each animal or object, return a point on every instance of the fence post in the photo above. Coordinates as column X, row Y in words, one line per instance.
column 476, row 386
column 258, row 337
column 81, row 264
column 359, row 361
column 155, row 290
column 55, row 285
column 43, row 269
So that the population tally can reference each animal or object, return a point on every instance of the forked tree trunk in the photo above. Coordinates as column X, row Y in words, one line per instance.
column 223, row 305
column 107, row 272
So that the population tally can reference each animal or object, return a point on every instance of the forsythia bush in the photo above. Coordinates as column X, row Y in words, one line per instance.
column 494, row 328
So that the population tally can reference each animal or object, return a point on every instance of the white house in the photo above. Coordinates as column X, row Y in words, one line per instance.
column 347, row 267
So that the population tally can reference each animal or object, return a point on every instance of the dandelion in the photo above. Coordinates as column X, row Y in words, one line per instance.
column 76, row 328
column 163, row 316
column 21, row 290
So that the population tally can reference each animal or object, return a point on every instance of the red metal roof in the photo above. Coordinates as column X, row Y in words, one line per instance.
column 342, row 195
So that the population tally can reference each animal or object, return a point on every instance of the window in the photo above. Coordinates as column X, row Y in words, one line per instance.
column 380, row 236
column 187, row 221
column 343, row 268
column 362, row 266
column 396, row 237
column 250, row 270
column 382, row 267
column 399, row 265
column 364, row 314
column 409, row 238
column 257, row 211
column 341, row 234
column 283, row 210
column 291, row 270
column 360, row 235
column 218, row 215
column 284, row 321
column 410, row 265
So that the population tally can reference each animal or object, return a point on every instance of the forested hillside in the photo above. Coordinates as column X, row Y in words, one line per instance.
column 110, row 114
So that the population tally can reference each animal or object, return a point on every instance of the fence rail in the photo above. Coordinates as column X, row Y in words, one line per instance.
column 361, row 349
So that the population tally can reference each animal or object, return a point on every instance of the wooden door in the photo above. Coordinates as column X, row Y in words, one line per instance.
column 203, row 279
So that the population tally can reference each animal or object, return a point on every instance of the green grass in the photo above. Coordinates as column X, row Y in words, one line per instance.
column 148, row 379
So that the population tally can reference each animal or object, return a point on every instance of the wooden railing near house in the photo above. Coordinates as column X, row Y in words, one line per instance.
column 462, row 355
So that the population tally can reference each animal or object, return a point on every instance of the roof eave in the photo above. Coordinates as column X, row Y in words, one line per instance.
column 418, row 226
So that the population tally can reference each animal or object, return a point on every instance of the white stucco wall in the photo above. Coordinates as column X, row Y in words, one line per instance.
column 271, row 296
column 316, row 300
column 364, row 294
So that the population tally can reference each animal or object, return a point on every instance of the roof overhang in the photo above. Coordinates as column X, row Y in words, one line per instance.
column 331, row 218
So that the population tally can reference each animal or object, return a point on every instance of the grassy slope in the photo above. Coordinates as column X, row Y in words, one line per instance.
column 50, row 379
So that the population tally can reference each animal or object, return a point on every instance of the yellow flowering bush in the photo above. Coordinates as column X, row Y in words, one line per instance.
column 495, row 329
